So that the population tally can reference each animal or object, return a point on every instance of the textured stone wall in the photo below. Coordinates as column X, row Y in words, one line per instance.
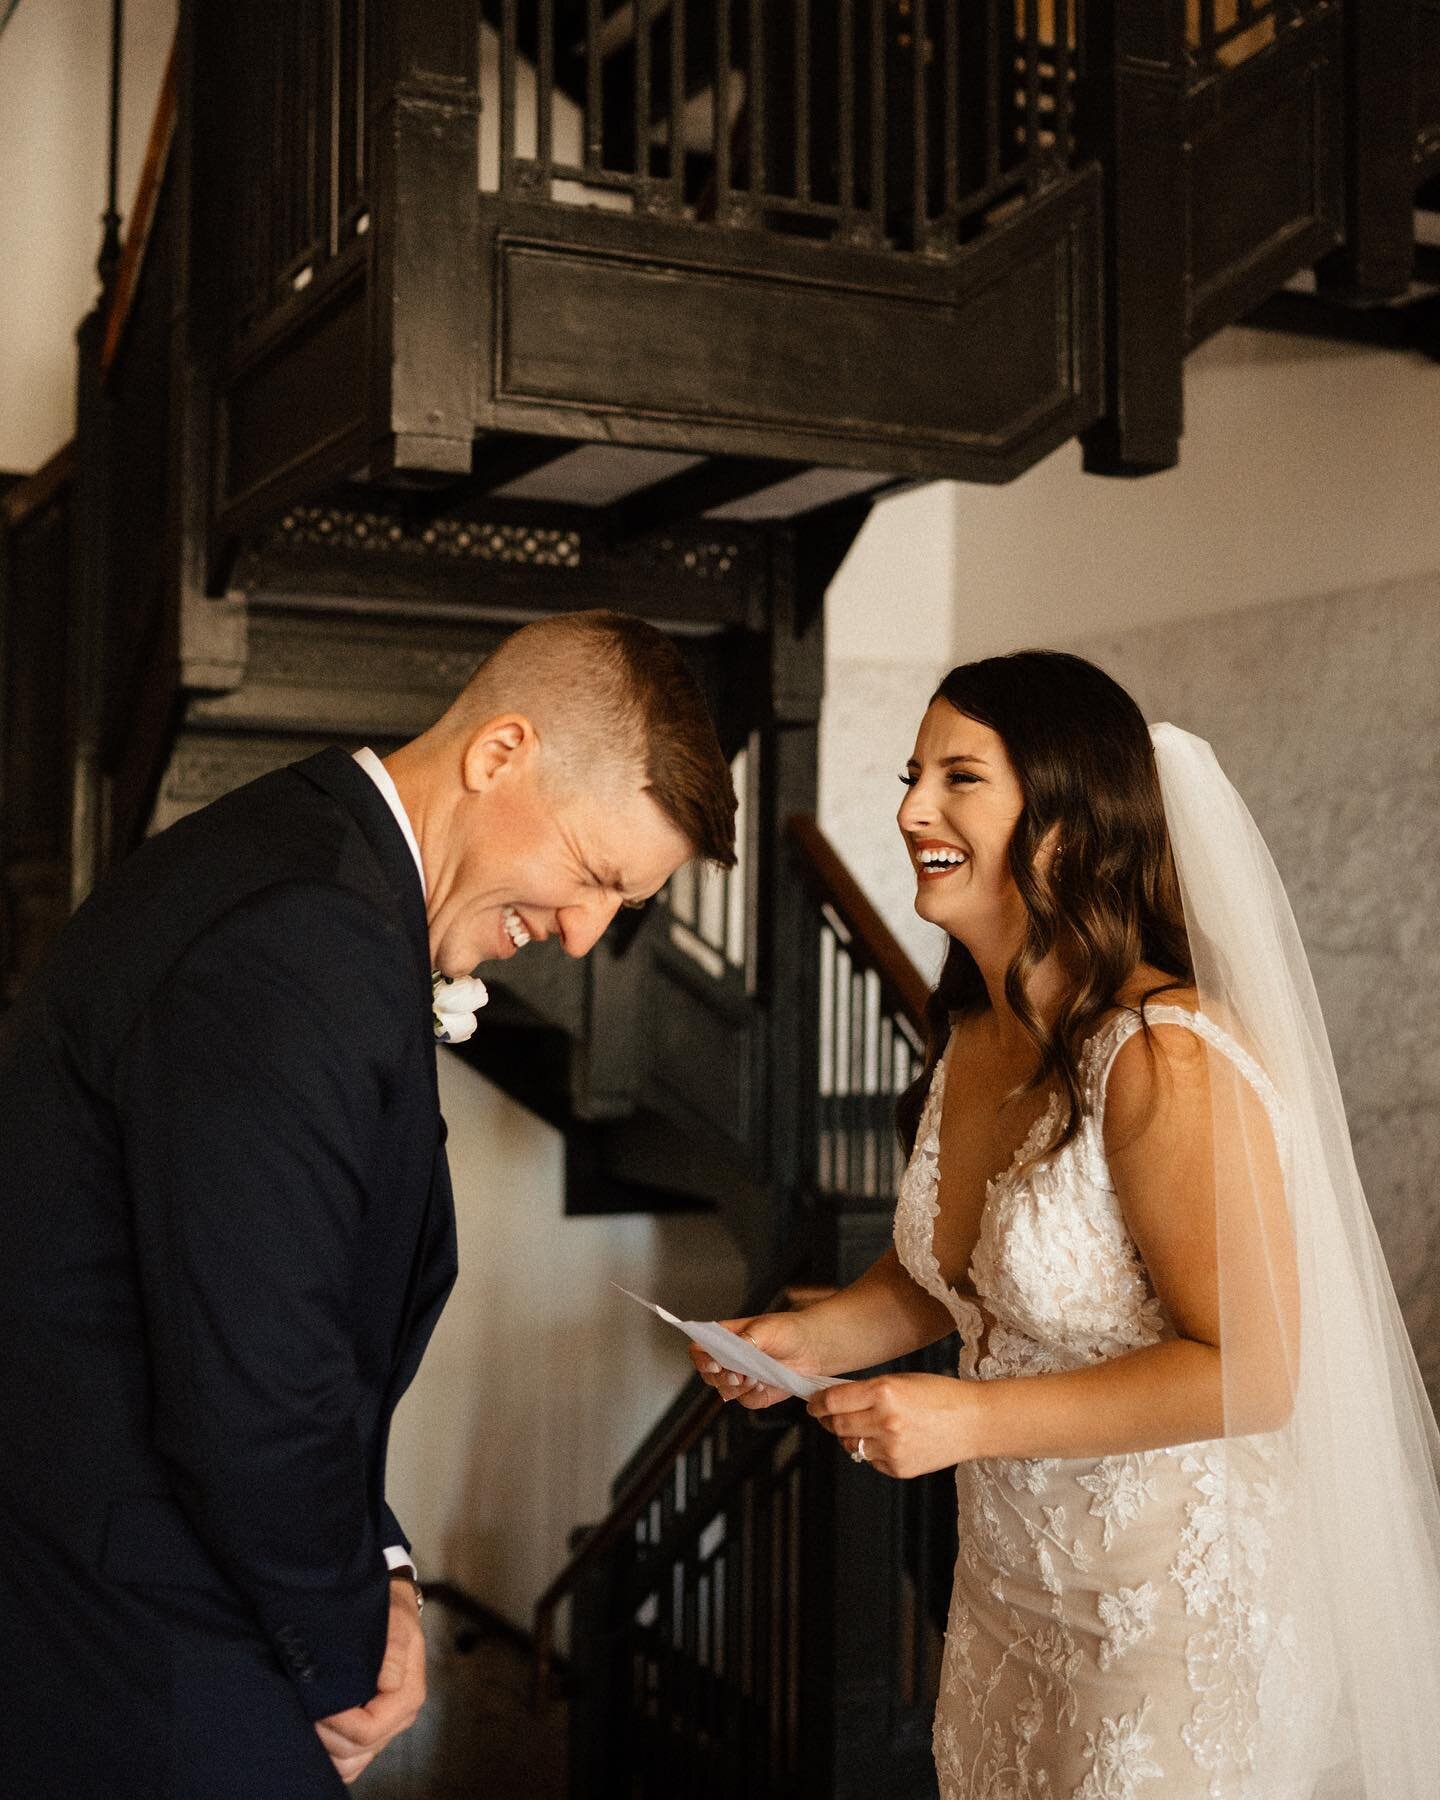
column 1325, row 713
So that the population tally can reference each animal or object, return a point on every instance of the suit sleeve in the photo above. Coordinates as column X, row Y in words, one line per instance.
column 251, row 1096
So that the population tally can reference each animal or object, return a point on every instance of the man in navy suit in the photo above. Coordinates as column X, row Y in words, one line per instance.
column 226, row 1218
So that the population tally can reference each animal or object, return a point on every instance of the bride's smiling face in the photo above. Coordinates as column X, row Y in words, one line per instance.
column 957, row 819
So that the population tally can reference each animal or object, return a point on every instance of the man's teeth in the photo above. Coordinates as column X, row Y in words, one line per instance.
column 515, row 928
column 939, row 859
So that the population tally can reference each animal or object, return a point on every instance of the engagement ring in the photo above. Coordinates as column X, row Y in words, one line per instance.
column 858, row 1453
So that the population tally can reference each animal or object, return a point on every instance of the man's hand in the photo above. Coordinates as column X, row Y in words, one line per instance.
column 355, row 1738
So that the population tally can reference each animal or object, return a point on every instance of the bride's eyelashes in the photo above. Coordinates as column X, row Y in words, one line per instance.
column 953, row 778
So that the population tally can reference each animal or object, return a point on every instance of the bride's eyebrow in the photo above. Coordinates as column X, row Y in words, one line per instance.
column 948, row 762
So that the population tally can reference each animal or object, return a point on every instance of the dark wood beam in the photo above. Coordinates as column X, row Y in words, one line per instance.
column 1136, row 129
column 686, row 496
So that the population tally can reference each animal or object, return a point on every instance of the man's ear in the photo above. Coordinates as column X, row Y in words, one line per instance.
column 502, row 744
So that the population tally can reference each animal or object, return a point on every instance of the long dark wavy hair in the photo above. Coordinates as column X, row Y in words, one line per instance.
column 1110, row 899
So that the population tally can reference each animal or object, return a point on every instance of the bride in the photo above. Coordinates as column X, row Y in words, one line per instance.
column 1196, row 1471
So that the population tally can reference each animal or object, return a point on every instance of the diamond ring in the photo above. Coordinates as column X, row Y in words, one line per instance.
column 858, row 1453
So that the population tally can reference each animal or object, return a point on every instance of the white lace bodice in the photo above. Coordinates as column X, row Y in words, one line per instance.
column 1059, row 1280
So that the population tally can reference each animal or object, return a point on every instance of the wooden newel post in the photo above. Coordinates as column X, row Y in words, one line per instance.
column 1381, row 52
column 425, row 107
column 1135, row 109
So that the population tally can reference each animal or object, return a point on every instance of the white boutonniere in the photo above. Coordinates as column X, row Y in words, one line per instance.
column 453, row 1006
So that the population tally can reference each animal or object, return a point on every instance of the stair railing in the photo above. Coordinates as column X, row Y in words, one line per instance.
column 871, row 124
column 758, row 1616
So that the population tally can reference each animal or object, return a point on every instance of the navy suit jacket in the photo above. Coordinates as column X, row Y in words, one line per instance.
column 227, row 1232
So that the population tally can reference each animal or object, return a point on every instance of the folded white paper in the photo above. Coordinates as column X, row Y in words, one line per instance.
column 739, row 1355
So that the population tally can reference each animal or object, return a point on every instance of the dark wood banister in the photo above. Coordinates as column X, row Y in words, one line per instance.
column 872, row 944
column 34, row 492
column 142, row 215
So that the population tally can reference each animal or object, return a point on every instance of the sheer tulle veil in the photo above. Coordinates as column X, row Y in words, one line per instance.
column 1330, row 1439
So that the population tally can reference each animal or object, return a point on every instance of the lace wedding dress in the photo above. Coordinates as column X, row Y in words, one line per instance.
column 1120, row 1626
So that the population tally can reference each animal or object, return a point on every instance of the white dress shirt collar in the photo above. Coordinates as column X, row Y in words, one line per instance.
column 380, row 775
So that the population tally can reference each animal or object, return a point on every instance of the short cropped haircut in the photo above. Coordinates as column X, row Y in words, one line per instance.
column 609, row 692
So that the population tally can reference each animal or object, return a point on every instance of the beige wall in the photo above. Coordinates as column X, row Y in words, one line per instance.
column 54, row 98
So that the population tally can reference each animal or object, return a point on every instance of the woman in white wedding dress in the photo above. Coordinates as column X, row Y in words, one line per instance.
column 1199, row 1526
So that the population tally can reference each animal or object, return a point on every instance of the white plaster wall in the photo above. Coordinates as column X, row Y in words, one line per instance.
column 1305, row 468
column 541, row 1379
column 54, row 108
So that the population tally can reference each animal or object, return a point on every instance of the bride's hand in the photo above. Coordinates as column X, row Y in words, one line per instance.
column 781, row 1335
column 911, row 1424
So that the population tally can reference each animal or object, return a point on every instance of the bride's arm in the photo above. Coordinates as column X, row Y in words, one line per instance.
column 1191, row 1195
column 881, row 1315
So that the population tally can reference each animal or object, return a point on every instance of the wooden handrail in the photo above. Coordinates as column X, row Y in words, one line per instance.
column 35, row 492
column 877, row 944
column 142, row 216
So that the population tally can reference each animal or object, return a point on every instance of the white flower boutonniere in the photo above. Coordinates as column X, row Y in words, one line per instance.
column 453, row 1006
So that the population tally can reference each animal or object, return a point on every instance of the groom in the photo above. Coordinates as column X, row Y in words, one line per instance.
column 226, row 1223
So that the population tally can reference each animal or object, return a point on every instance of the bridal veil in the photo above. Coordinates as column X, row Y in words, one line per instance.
column 1313, row 1561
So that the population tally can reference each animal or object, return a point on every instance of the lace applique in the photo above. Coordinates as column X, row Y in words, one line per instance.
column 1119, row 1757
column 1128, row 1616
column 1121, row 1489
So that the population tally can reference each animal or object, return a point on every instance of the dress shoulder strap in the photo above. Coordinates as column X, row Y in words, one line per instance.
column 1111, row 1037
